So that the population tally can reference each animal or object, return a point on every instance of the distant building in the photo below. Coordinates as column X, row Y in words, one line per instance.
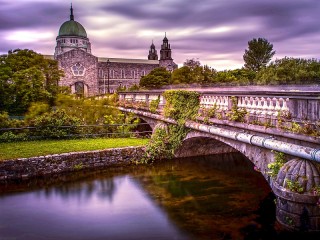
column 88, row 75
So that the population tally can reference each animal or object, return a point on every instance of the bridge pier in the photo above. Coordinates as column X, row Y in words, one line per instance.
column 297, row 200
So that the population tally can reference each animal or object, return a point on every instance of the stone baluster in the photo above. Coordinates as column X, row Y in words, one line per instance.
column 253, row 105
column 270, row 107
column 277, row 107
column 210, row 101
column 225, row 102
column 259, row 105
column 247, row 103
column 241, row 102
column 264, row 108
column 284, row 105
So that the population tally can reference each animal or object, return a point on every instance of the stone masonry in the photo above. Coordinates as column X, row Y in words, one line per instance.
column 24, row 168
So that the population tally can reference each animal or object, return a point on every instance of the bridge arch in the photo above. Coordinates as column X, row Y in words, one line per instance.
column 258, row 156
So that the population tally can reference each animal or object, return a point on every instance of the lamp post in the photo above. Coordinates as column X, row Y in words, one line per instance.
column 108, row 63
column 104, row 84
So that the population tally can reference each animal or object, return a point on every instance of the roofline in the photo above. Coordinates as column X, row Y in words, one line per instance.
column 128, row 60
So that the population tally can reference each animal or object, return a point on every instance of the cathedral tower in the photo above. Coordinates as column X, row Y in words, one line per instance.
column 72, row 35
column 165, row 56
column 153, row 55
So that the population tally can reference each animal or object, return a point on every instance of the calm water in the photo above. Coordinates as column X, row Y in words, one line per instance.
column 217, row 197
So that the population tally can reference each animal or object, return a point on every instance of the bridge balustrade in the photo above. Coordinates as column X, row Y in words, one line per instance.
column 297, row 106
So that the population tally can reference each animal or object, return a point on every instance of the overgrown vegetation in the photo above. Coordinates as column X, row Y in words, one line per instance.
column 154, row 104
column 294, row 186
column 236, row 114
column 180, row 106
column 279, row 161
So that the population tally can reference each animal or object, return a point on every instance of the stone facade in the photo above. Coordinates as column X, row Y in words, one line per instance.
column 88, row 75
column 67, row 162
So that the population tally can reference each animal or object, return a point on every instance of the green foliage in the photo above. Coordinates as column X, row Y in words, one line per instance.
column 164, row 142
column 181, row 105
column 50, row 125
column 78, row 167
column 7, row 122
column 193, row 72
column 290, row 71
column 156, row 78
column 258, row 54
column 4, row 120
column 26, row 77
column 235, row 77
column 209, row 113
column 11, row 137
column 236, row 114
column 294, row 186
column 154, row 104
column 279, row 161
column 89, row 111
column 133, row 88
column 36, row 109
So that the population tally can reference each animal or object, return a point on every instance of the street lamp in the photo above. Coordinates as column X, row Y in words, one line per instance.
column 108, row 63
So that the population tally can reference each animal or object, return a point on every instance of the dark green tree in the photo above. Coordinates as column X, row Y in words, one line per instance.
column 26, row 77
column 290, row 71
column 259, row 53
column 156, row 78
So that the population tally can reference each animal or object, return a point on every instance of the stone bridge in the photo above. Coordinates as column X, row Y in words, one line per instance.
column 298, row 207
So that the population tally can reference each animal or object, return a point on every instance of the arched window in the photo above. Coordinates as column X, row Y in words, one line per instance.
column 78, row 69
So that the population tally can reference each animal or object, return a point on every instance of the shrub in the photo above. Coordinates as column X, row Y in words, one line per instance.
column 53, row 124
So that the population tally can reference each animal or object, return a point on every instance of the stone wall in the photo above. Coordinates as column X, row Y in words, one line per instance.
column 90, row 63
column 122, row 73
column 67, row 162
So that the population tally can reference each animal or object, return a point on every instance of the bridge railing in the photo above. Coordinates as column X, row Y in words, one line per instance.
column 262, row 107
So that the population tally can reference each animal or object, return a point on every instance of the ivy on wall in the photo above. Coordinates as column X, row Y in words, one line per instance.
column 180, row 106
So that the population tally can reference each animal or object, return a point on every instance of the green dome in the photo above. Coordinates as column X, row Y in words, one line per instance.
column 72, row 28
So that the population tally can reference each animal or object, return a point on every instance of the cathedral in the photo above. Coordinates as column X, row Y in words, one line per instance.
column 88, row 75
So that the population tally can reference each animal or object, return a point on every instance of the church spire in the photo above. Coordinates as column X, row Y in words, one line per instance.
column 71, row 13
column 152, row 53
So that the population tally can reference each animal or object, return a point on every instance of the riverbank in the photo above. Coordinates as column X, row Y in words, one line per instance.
column 29, row 149
column 24, row 168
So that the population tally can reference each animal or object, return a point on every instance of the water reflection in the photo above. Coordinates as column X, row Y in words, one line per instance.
column 103, row 209
column 83, row 191
column 213, row 197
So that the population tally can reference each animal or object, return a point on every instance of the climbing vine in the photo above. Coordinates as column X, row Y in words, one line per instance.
column 279, row 161
column 180, row 106
column 236, row 114
column 154, row 104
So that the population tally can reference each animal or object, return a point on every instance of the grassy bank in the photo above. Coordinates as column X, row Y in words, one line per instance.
column 41, row 148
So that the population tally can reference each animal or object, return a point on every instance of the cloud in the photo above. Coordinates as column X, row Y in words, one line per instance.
column 213, row 30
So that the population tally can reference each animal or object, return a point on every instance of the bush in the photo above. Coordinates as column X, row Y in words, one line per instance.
column 51, row 125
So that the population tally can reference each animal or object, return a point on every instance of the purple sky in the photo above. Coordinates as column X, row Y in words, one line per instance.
column 215, row 32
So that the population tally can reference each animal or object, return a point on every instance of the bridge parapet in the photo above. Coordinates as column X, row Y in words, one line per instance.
column 261, row 106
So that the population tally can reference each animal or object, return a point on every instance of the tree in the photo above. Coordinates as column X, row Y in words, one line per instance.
column 290, row 71
column 258, row 54
column 156, row 78
column 27, row 77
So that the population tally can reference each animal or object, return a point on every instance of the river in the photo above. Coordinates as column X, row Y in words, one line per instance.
column 211, row 197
